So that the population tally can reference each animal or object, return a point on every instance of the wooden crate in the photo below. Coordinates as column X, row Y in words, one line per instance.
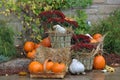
column 50, row 75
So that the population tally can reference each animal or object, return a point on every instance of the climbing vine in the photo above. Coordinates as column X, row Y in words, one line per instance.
column 27, row 12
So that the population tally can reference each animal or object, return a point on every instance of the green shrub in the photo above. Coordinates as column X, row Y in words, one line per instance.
column 111, row 25
column 7, row 47
column 81, row 18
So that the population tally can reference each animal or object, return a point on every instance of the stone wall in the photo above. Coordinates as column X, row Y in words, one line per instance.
column 101, row 9
column 98, row 10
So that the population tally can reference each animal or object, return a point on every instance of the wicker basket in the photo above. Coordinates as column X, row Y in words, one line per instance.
column 87, row 58
column 56, row 55
column 60, row 40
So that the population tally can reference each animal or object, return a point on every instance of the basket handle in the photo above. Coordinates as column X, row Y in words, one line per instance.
column 100, row 45
column 97, row 49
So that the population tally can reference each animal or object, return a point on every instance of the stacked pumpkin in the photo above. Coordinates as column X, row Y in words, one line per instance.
column 99, row 61
column 30, row 47
column 36, row 66
column 47, row 66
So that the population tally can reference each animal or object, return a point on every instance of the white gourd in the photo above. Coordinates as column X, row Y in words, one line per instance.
column 76, row 67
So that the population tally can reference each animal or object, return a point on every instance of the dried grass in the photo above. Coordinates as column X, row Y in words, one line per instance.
column 56, row 55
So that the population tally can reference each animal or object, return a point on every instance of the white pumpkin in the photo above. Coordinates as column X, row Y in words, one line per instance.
column 76, row 67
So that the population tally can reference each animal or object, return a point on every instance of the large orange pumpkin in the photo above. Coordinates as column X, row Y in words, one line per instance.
column 97, row 37
column 99, row 62
column 29, row 46
column 46, row 42
column 31, row 54
column 58, row 67
column 48, row 64
column 35, row 67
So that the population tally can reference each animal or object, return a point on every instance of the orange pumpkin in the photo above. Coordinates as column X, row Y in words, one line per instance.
column 99, row 62
column 29, row 46
column 93, row 41
column 46, row 42
column 31, row 54
column 37, row 45
column 35, row 67
column 58, row 67
column 48, row 64
column 97, row 37
column 69, row 19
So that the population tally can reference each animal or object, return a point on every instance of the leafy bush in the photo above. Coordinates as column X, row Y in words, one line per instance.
column 111, row 25
column 81, row 18
column 7, row 47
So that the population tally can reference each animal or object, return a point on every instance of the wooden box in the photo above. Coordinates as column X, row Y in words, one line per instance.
column 49, row 75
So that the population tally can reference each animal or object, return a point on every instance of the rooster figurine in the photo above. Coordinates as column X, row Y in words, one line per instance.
column 59, row 28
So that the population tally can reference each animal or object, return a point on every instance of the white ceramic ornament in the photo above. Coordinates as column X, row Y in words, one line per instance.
column 89, row 36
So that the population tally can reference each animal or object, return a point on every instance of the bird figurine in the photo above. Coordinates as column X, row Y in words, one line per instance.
column 76, row 67
column 89, row 36
column 59, row 28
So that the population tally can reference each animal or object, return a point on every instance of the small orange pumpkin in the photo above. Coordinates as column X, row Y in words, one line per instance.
column 35, row 67
column 37, row 45
column 93, row 41
column 31, row 54
column 58, row 67
column 29, row 46
column 69, row 19
column 99, row 62
column 97, row 37
column 46, row 42
column 48, row 64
